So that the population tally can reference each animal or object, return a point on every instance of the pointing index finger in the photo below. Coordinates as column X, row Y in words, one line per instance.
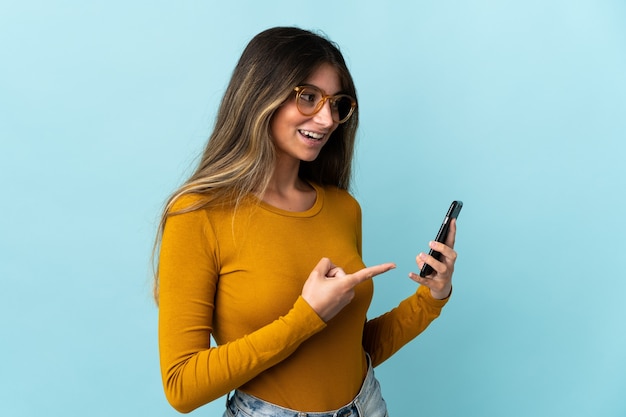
column 370, row 272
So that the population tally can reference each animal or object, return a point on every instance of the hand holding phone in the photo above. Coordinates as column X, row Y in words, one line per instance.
column 453, row 213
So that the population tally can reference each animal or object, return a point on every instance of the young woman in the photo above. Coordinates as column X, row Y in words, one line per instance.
column 261, row 250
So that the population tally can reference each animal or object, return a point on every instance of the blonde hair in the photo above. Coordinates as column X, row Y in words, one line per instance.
column 239, row 156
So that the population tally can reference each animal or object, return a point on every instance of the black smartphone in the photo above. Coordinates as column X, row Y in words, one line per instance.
column 453, row 213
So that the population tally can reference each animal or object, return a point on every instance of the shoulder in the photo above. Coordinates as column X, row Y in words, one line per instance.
column 190, row 202
column 339, row 194
column 192, row 209
column 185, row 213
column 339, row 198
column 187, row 202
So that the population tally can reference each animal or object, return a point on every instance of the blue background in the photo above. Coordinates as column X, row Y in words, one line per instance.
column 515, row 107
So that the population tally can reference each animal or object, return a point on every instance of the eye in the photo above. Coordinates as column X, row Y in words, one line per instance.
column 308, row 97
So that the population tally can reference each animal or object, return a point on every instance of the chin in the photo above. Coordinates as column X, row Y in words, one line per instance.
column 309, row 158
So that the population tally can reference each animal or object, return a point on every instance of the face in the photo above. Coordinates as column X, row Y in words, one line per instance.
column 301, row 138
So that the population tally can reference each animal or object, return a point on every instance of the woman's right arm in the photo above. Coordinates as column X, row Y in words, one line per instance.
column 193, row 372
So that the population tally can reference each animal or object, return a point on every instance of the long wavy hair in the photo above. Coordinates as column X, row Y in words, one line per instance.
column 239, row 157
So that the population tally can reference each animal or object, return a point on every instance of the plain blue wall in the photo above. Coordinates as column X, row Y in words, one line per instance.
column 515, row 107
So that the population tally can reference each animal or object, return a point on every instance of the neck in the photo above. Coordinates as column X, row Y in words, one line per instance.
column 286, row 190
column 285, row 176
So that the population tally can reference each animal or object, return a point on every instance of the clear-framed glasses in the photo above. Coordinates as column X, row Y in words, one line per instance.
column 310, row 100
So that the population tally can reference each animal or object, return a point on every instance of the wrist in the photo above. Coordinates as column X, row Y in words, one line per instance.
column 441, row 294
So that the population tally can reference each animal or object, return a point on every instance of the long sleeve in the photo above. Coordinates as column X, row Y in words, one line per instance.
column 386, row 334
column 193, row 372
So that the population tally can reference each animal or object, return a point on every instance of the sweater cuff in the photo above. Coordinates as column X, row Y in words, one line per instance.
column 423, row 292
column 307, row 316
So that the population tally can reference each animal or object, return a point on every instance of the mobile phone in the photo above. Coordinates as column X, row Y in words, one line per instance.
column 453, row 213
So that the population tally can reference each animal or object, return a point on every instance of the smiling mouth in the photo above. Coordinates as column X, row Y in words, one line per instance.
column 311, row 135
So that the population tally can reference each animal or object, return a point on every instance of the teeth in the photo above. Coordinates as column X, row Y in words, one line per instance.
column 312, row 135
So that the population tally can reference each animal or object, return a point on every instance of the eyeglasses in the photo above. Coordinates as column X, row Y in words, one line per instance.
column 310, row 100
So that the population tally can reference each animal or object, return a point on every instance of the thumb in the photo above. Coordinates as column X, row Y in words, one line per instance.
column 323, row 267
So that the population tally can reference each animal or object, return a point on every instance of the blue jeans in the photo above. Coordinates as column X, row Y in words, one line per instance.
column 368, row 403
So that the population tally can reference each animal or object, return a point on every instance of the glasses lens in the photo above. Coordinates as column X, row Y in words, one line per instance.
column 342, row 108
column 307, row 100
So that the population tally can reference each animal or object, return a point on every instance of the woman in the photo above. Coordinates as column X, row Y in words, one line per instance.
column 261, row 249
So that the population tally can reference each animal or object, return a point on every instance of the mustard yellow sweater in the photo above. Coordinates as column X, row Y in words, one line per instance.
column 238, row 276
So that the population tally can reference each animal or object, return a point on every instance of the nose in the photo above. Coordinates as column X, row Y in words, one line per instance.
column 324, row 117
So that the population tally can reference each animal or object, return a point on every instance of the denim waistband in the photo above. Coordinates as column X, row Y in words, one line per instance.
column 368, row 402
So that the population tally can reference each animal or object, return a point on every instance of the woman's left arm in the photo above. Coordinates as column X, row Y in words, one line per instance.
column 386, row 334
